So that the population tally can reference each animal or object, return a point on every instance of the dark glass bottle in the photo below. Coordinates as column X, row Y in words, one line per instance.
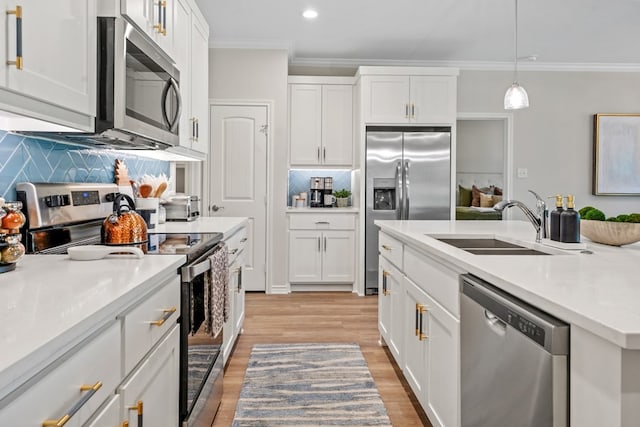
column 570, row 223
column 554, row 219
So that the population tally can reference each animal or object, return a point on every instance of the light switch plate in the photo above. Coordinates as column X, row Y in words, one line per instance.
column 523, row 173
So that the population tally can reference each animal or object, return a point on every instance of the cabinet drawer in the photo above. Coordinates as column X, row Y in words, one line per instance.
column 59, row 390
column 109, row 415
column 436, row 280
column 236, row 243
column 322, row 222
column 391, row 249
column 149, row 321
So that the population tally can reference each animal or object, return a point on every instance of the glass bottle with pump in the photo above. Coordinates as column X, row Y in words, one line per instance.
column 570, row 223
column 554, row 219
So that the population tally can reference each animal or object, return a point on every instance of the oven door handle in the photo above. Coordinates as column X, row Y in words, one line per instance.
column 192, row 271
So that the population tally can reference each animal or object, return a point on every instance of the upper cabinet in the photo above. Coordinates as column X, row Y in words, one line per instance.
column 192, row 58
column 155, row 18
column 321, row 121
column 48, row 69
column 408, row 95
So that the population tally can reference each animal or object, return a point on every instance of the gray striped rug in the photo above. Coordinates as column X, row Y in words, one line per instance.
column 309, row 385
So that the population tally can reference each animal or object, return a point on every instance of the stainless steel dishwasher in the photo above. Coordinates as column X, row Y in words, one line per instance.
column 514, row 361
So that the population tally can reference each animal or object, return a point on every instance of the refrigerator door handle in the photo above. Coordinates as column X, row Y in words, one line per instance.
column 399, row 186
column 406, row 189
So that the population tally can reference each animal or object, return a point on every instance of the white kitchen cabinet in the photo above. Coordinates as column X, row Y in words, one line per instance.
column 237, row 246
column 391, row 300
column 150, row 393
column 392, row 95
column 419, row 321
column 192, row 58
column 55, row 77
column 155, row 18
column 321, row 256
column 109, row 415
column 321, row 124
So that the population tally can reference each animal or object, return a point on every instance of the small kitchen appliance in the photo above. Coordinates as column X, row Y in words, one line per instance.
column 321, row 187
column 182, row 208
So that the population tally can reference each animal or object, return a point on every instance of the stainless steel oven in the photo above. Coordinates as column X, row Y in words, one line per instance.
column 63, row 215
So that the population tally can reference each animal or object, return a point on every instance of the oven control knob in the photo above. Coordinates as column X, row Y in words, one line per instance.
column 57, row 200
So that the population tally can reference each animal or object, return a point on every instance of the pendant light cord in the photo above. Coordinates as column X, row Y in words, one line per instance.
column 515, row 58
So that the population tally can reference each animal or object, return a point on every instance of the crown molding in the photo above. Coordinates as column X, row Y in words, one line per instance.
column 462, row 65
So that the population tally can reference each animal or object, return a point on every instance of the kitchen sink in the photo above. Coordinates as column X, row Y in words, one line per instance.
column 489, row 246
column 511, row 251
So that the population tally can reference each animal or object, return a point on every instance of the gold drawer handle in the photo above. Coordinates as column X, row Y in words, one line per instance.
column 244, row 239
column 167, row 314
column 18, row 12
column 387, row 247
column 421, row 310
column 92, row 389
column 233, row 251
column 138, row 408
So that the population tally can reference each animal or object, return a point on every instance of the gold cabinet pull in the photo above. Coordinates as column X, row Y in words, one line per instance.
column 161, row 26
column 421, row 310
column 417, row 319
column 167, row 314
column 125, row 424
column 244, row 239
column 386, row 247
column 18, row 12
column 92, row 389
column 138, row 408
column 233, row 251
column 385, row 274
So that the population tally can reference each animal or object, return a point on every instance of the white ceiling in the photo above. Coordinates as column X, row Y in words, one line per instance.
column 589, row 34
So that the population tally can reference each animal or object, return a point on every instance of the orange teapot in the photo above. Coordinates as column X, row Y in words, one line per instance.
column 124, row 227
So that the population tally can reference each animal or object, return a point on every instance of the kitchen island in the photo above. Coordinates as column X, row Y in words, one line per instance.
column 596, row 292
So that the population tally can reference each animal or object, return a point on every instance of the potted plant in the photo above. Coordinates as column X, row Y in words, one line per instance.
column 342, row 198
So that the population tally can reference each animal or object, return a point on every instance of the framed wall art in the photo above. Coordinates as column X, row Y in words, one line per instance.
column 616, row 154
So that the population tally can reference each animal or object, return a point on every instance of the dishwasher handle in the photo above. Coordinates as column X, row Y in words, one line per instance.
column 548, row 332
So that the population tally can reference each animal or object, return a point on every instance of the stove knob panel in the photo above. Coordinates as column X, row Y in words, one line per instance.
column 57, row 200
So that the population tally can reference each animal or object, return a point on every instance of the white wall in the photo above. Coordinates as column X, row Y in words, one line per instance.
column 244, row 74
column 553, row 138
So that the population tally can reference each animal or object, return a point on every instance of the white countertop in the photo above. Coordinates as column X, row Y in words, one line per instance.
column 209, row 224
column 599, row 292
column 49, row 303
column 323, row 211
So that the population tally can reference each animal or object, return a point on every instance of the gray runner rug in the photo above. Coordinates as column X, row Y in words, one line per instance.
column 309, row 385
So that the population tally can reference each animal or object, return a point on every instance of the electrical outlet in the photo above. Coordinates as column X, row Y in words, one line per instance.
column 523, row 173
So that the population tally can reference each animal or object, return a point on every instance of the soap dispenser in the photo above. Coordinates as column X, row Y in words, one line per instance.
column 570, row 223
column 554, row 219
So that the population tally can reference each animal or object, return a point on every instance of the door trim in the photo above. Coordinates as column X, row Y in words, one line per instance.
column 507, row 170
column 269, row 105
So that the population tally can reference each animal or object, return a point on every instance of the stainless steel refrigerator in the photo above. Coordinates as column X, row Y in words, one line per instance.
column 408, row 177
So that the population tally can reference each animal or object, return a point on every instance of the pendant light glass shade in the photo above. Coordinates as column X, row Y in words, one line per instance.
column 516, row 97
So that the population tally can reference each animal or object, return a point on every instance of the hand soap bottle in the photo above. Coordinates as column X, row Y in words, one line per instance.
column 554, row 219
column 570, row 223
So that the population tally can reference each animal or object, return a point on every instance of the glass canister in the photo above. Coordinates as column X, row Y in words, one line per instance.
column 11, row 250
column 13, row 218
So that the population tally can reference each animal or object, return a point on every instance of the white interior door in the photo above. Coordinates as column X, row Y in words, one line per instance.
column 238, row 185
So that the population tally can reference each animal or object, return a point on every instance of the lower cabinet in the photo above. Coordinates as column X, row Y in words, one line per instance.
column 236, row 244
column 150, row 394
column 423, row 331
column 321, row 256
column 97, row 383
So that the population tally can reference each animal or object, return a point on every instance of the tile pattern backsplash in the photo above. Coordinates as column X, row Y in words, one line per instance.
column 25, row 159
column 300, row 180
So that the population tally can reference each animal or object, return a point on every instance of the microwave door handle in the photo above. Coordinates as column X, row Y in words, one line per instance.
column 171, row 83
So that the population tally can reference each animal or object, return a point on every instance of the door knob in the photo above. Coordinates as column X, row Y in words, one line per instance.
column 216, row 208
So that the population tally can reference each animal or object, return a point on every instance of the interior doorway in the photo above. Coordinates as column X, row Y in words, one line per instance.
column 238, row 177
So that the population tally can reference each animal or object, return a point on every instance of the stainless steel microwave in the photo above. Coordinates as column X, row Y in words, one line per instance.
column 138, row 101
column 138, row 87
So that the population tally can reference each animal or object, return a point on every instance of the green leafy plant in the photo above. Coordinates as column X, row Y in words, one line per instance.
column 591, row 213
column 342, row 194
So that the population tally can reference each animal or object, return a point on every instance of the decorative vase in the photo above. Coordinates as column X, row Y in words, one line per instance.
column 342, row 202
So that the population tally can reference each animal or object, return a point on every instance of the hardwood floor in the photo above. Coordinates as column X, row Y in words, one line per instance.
column 319, row 317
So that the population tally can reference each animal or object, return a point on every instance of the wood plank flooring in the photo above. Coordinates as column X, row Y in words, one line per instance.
column 319, row 317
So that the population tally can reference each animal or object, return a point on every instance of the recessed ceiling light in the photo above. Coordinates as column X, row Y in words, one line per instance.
column 310, row 14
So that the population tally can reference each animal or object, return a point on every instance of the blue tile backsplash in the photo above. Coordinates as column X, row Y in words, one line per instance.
column 25, row 159
column 300, row 180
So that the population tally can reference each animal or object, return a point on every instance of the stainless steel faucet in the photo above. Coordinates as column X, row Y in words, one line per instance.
column 538, row 219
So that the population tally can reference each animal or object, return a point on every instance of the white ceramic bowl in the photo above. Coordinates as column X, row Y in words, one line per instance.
column 609, row 232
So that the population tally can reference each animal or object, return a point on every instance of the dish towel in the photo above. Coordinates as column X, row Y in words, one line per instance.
column 216, row 291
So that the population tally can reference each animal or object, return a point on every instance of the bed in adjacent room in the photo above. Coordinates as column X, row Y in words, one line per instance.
column 476, row 195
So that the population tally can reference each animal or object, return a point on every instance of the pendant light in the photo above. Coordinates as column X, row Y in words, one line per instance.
column 516, row 97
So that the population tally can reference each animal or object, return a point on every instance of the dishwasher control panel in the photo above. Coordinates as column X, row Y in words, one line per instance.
column 525, row 326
